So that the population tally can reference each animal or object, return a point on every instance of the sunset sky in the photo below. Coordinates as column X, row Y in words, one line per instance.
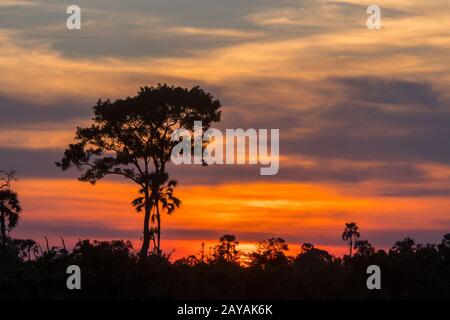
column 364, row 115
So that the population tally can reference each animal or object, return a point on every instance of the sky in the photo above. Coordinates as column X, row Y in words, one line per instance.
column 364, row 116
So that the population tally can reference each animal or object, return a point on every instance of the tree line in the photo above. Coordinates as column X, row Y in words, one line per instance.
column 114, row 270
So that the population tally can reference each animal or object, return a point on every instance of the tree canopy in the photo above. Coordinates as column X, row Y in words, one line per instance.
column 132, row 138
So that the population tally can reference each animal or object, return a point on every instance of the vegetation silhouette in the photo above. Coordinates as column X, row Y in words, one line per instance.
column 226, row 250
column 270, row 253
column 9, row 212
column 114, row 270
column 351, row 235
column 132, row 138
column 9, row 209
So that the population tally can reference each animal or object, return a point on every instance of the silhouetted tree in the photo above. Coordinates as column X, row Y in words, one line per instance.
column 112, row 270
column 364, row 248
column 446, row 240
column 444, row 246
column 351, row 235
column 202, row 253
column 226, row 249
column 132, row 138
column 164, row 201
column 26, row 248
column 9, row 212
column 405, row 246
column 306, row 247
column 444, row 251
column 5, row 178
column 270, row 252
column 312, row 255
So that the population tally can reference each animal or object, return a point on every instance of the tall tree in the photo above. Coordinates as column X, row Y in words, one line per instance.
column 351, row 235
column 132, row 138
column 9, row 212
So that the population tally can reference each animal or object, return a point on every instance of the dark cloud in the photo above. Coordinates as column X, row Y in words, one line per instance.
column 387, row 238
column 17, row 113
column 322, row 172
column 97, row 230
column 365, row 133
column 74, row 229
column 378, row 238
column 390, row 137
column 41, row 164
column 409, row 122
column 91, row 42
column 134, row 28
column 349, row 9
column 143, row 28
column 393, row 91
column 33, row 163
column 365, row 118
column 415, row 192
column 77, row 230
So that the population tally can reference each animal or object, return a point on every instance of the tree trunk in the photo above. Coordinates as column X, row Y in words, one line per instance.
column 147, row 234
column 158, row 219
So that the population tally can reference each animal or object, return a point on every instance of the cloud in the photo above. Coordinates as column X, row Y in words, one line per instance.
column 32, row 163
column 17, row 113
column 138, row 29
column 12, row 3
column 39, row 163
column 78, row 229
column 415, row 192
column 378, row 238
column 383, row 129
column 393, row 91
column 174, row 28
column 74, row 229
column 377, row 119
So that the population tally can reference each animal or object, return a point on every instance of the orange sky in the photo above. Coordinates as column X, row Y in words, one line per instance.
column 364, row 116
column 298, row 212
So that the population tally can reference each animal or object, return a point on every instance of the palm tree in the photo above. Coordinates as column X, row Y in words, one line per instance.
column 9, row 212
column 163, row 200
column 168, row 204
column 351, row 235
